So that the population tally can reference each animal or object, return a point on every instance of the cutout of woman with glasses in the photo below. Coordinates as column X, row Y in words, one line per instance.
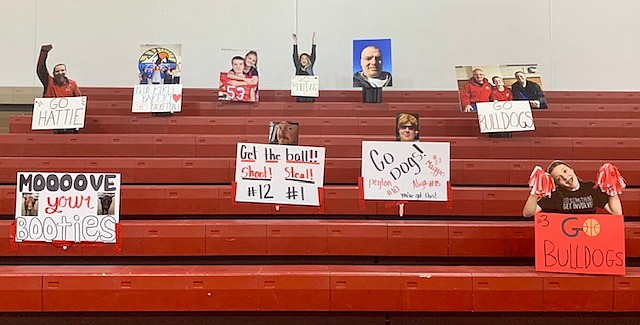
column 407, row 127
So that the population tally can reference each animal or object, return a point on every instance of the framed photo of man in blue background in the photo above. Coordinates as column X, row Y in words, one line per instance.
column 372, row 63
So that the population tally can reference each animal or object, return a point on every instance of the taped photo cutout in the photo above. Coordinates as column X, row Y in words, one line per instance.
column 160, row 64
column 29, row 204
column 372, row 63
column 499, row 83
column 240, row 82
column 407, row 127
column 284, row 132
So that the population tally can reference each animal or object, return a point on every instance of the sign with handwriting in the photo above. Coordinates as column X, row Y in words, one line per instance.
column 59, row 113
column 67, row 207
column 279, row 174
column 505, row 116
column 407, row 171
column 305, row 86
column 580, row 243
column 157, row 98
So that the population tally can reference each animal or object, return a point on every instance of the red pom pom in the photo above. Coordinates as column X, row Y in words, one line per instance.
column 609, row 180
column 541, row 182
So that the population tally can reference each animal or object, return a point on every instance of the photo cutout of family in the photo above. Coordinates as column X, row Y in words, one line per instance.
column 159, row 64
column 372, row 63
column 283, row 132
column 498, row 83
column 407, row 127
column 240, row 82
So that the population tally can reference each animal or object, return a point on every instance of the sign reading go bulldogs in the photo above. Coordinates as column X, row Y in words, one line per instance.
column 583, row 243
column 505, row 116
column 306, row 86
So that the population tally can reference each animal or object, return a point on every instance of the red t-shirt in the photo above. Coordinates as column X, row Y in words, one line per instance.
column 70, row 89
column 501, row 96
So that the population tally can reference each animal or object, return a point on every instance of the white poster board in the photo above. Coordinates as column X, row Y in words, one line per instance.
column 59, row 113
column 305, row 86
column 279, row 174
column 505, row 116
column 405, row 171
column 67, row 207
column 157, row 98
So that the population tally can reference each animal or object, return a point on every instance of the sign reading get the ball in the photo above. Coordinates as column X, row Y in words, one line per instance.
column 584, row 243
column 279, row 174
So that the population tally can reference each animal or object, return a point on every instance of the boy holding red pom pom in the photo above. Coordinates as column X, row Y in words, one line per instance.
column 573, row 195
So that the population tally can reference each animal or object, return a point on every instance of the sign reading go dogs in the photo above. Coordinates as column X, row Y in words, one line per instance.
column 583, row 243
column 59, row 113
column 505, row 116
column 411, row 171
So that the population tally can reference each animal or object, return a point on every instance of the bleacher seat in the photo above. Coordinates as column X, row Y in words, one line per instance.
column 350, row 288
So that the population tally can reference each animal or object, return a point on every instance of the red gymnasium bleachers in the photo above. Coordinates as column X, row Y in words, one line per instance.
column 338, row 146
column 201, row 170
column 416, row 96
column 310, row 288
column 327, row 126
column 316, row 237
column 186, row 247
column 153, row 200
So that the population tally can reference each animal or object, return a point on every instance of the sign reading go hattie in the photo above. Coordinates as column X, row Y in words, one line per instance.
column 157, row 98
column 67, row 207
column 408, row 171
column 58, row 113
column 279, row 174
column 505, row 116
column 582, row 243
